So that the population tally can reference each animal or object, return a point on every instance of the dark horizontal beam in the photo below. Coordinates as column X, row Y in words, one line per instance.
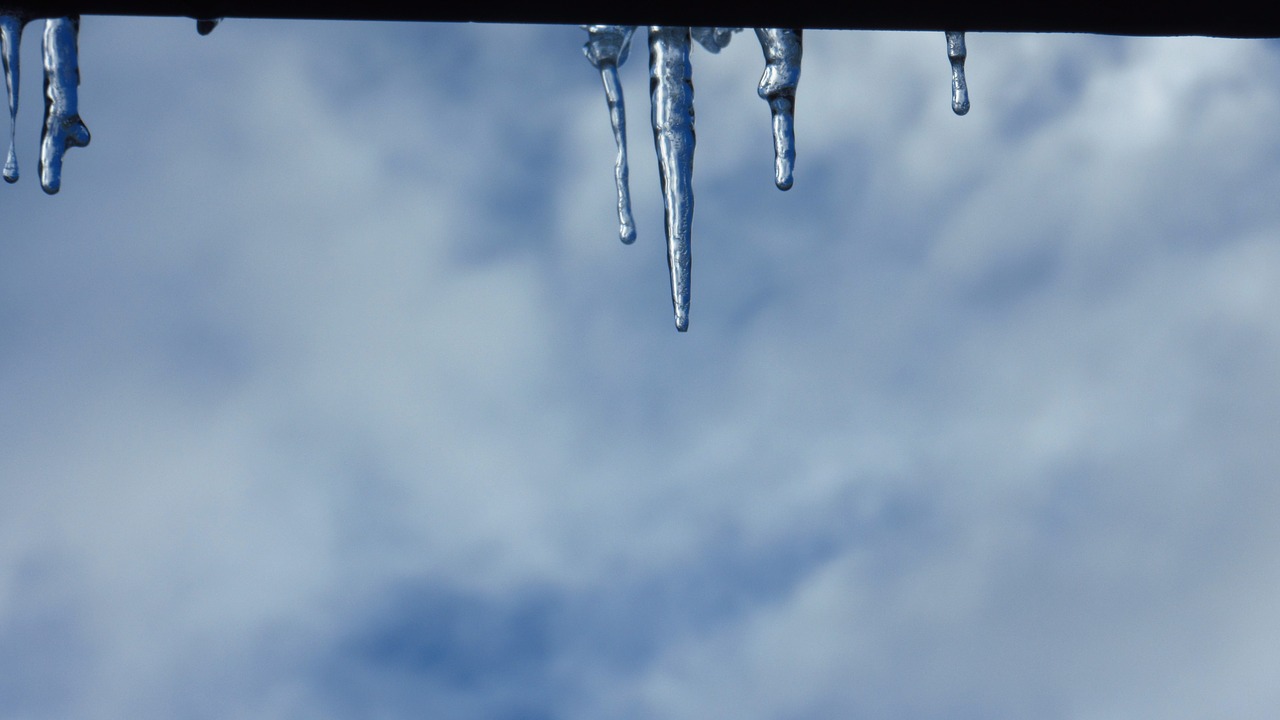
column 1223, row 18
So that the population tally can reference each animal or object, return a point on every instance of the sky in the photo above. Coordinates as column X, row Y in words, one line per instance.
column 327, row 390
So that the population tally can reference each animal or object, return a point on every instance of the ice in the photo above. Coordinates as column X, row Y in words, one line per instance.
column 63, row 128
column 204, row 26
column 606, row 49
column 671, row 95
column 714, row 39
column 782, row 51
column 959, row 88
column 10, row 43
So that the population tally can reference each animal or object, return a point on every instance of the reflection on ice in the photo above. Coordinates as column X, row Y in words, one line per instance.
column 714, row 39
column 671, row 99
column 671, row 96
column 959, row 89
column 606, row 49
column 782, row 51
column 63, row 128
column 10, row 43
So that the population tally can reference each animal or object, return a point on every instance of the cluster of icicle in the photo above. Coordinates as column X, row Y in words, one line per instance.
column 671, row 101
column 670, row 88
column 63, row 128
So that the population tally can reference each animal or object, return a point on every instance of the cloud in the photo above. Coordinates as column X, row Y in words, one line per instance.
column 330, row 391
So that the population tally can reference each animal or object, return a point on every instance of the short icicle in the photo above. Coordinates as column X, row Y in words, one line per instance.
column 671, row 95
column 959, row 88
column 606, row 49
column 10, row 43
column 714, row 39
column 782, row 48
column 63, row 128
column 204, row 26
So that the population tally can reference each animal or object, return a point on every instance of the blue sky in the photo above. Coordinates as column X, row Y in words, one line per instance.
column 329, row 391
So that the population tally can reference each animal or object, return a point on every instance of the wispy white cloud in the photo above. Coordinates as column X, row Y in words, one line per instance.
column 330, row 391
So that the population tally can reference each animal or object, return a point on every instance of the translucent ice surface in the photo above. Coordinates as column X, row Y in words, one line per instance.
column 782, row 50
column 671, row 99
column 10, row 43
column 671, row 96
column 714, row 39
column 606, row 49
column 959, row 88
column 63, row 128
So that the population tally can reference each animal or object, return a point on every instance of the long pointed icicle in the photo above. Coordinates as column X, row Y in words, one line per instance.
column 782, row 48
column 606, row 49
column 671, row 95
column 63, row 128
column 10, row 44
column 959, row 88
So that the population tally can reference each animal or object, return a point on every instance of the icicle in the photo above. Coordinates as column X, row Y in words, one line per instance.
column 959, row 88
column 204, row 26
column 671, row 94
column 714, row 39
column 606, row 49
column 11, row 43
column 63, row 128
column 782, row 50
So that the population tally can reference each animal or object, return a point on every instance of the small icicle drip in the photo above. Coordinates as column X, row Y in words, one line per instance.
column 204, row 26
column 782, row 48
column 606, row 49
column 10, row 42
column 714, row 39
column 959, row 88
column 63, row 128
column 671, row 95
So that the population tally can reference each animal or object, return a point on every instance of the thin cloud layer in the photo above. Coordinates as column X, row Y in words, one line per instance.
column 329, row 391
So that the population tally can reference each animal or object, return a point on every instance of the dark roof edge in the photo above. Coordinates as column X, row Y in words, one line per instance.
column 1225, row 18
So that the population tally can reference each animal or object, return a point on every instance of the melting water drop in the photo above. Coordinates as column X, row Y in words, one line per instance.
column 606, row 49
column 671, row 95
column 63, row 128
column 10, row 42
column 959, row 88
column 204, row 26
column 782, row 48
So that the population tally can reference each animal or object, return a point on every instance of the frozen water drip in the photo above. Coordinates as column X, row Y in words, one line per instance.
column 63, row 128
column 10, row 43
column 782, row 49
column 671, row 98
column 671, row 101
column 959, row 88
column 606, row 49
